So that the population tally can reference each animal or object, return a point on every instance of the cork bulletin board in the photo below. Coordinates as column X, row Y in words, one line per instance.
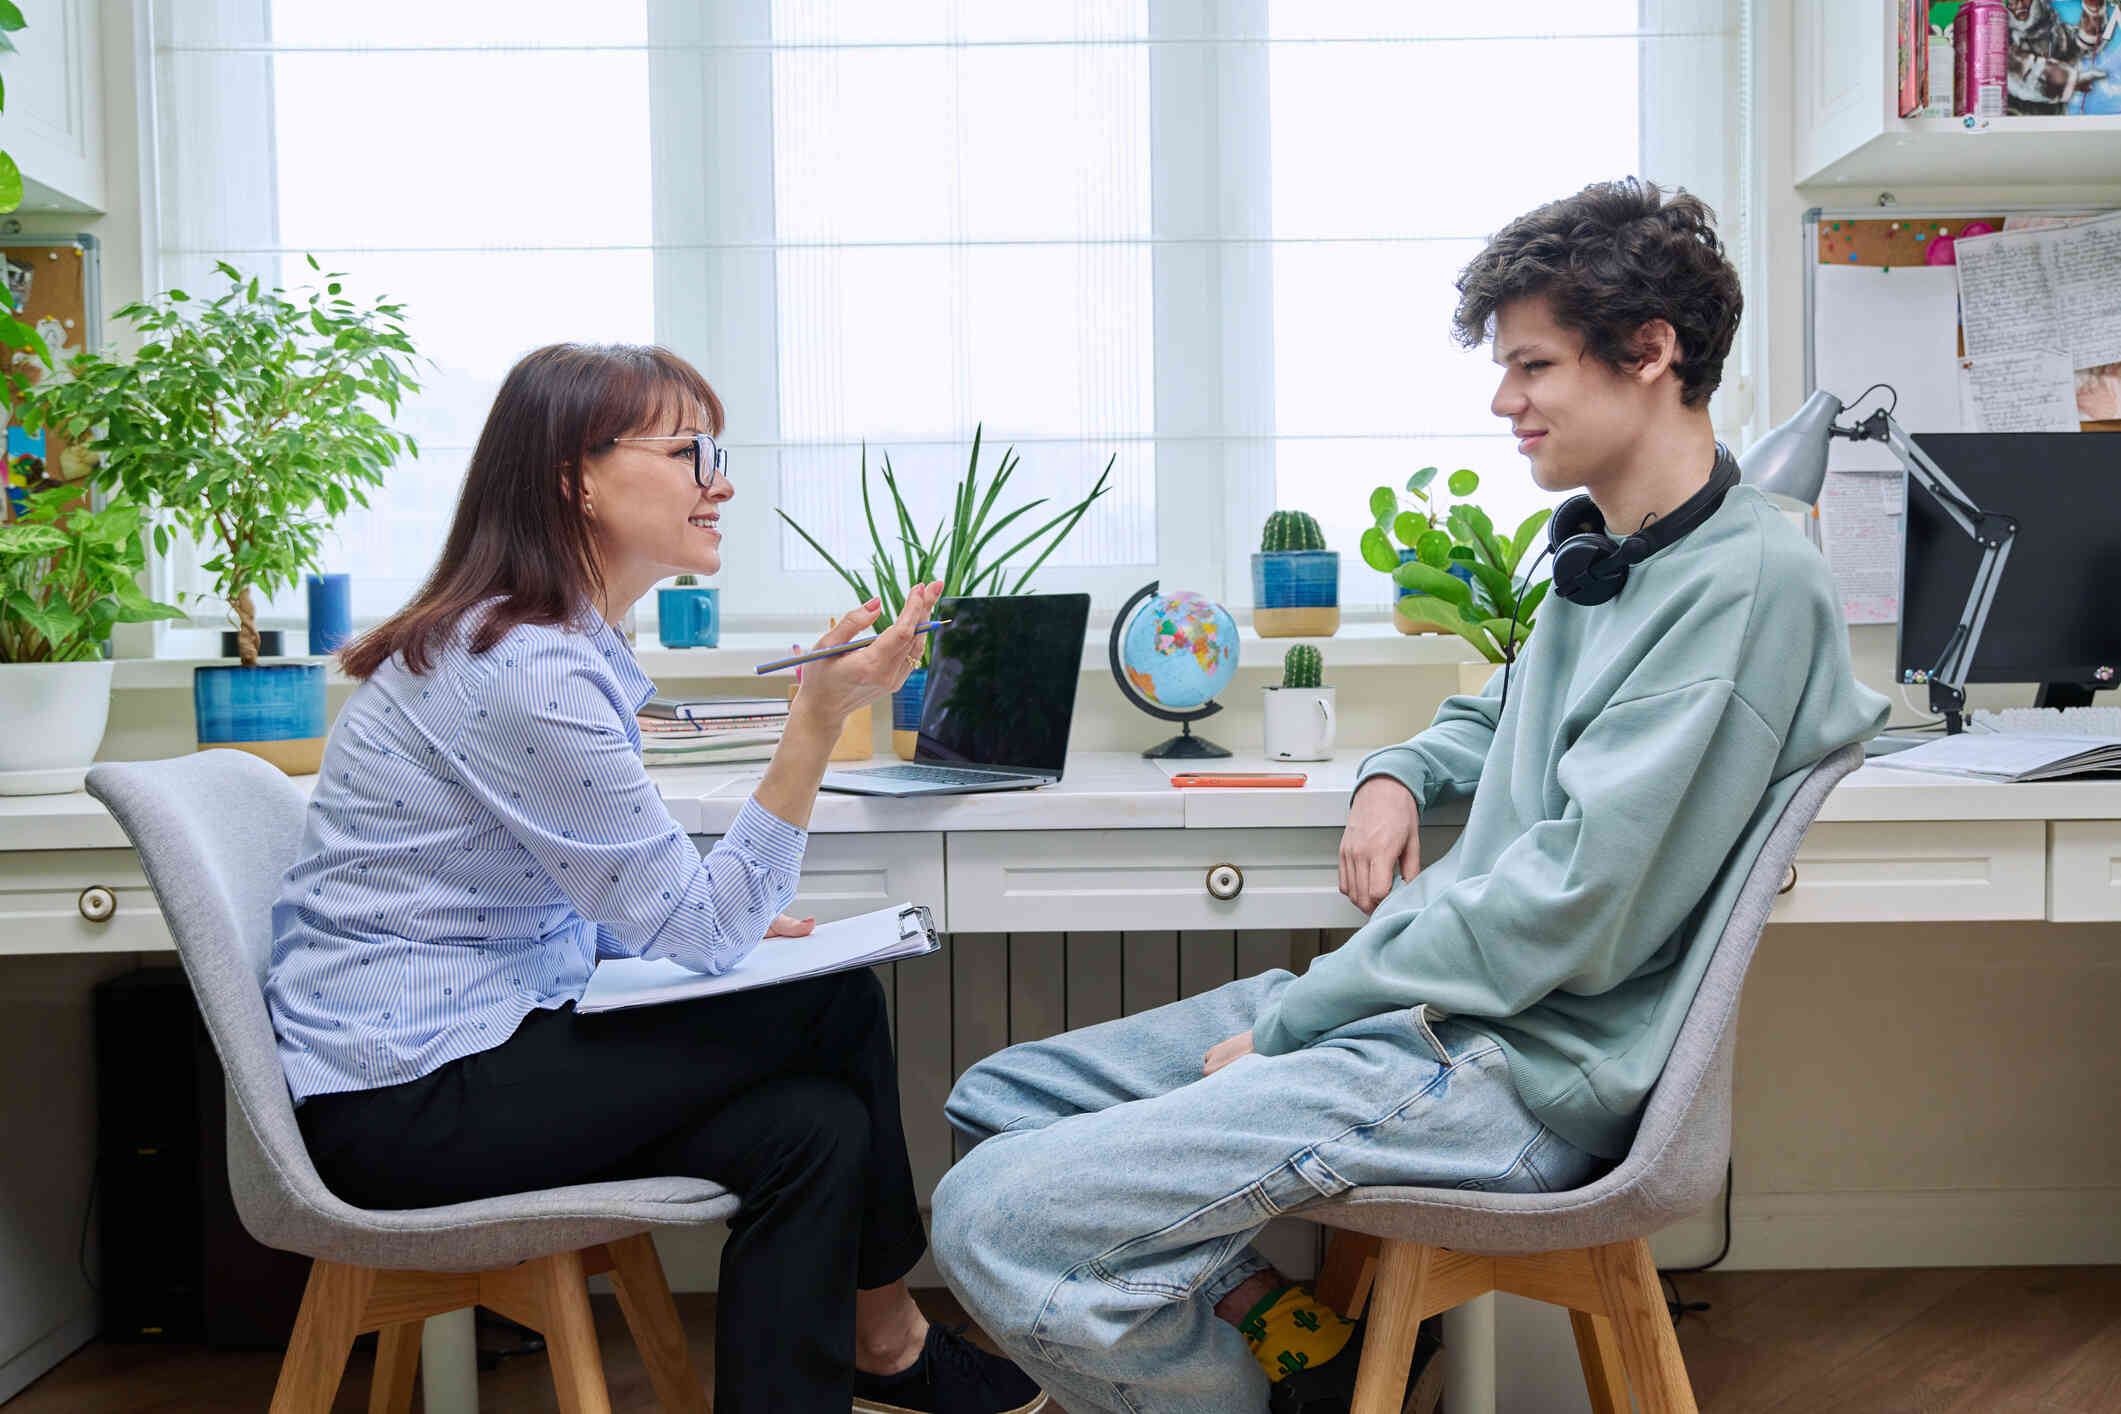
column 53, row 282
column 1892, row 240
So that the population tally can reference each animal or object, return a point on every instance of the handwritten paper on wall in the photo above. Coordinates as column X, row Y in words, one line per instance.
column 2032, row 390
column 2051, row 287
column 1861, row 516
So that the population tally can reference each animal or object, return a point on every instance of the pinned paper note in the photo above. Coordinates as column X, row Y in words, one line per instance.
column 2032, row 390
column 1861, row 517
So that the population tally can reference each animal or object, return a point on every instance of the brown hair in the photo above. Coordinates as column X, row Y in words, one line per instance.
column 520, row 529
column 1609, row 260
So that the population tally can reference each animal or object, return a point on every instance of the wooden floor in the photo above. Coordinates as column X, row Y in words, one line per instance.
column 2028, row 1341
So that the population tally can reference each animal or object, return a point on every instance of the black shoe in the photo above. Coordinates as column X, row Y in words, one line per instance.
column 953, row 1376
column 1330, row 1388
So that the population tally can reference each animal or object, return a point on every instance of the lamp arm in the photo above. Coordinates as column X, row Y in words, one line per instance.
column 1991, row 530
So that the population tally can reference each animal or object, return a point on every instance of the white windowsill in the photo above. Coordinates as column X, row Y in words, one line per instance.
column 1357, row 645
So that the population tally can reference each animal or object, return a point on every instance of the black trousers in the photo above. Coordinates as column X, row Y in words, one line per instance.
column 786, row 1095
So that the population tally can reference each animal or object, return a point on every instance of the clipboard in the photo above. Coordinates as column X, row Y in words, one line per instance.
column 893, row 934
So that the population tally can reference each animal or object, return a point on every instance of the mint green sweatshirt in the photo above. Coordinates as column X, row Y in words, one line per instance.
column 1649, row 746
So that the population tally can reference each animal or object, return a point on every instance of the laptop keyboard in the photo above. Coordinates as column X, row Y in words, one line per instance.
column 927, row 775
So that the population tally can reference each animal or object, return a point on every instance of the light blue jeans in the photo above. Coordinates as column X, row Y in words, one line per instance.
column 1114, row 1193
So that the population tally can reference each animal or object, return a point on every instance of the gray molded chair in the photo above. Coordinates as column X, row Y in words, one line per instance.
column 214, row 832
column 1586, row 1249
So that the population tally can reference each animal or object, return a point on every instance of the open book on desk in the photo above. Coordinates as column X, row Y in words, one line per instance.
column 2010, row 756
column 887, row 935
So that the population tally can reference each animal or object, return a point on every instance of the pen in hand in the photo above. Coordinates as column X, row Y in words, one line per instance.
column 859, row 643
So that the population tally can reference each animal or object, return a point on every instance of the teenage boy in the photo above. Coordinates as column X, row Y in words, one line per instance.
column 1502, row 1017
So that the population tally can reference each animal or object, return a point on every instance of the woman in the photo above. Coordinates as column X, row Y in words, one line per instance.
column 483, row 831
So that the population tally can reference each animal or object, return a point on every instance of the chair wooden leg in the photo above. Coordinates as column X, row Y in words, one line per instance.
column 1649, row 1348
column 644, row 1295
column 1349, row 1269
column 325, row 1328
column 1395, row 1324
column 571, row 1335
column 1599, row 1350
column 397, row 1361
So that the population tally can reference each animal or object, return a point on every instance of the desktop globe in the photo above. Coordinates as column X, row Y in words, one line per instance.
column 1172, row 655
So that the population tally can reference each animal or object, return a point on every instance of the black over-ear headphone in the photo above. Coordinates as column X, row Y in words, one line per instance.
column 1590, row 567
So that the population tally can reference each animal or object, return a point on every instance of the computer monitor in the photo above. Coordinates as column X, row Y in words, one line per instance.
column 2056, row 620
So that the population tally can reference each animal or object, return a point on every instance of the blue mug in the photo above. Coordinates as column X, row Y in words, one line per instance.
column 688, row 616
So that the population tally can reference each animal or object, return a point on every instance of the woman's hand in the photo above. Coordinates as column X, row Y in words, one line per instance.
column 784, row 926
column 1227, row 1051
column 833, row 687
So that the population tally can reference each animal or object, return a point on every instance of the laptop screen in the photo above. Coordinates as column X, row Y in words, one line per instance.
column 1001, row 681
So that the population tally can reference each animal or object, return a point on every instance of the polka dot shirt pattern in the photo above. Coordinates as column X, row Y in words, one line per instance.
column 478, row 838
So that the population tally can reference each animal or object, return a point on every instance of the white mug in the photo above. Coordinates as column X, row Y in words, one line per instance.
column 1299, row 723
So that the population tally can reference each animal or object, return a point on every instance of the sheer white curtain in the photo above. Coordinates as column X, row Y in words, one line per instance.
column 1209, row 241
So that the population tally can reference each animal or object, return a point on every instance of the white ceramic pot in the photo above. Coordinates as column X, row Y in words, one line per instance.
column 1299, row 723
column 54, row 715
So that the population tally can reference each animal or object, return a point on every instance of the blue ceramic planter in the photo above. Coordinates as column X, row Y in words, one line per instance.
column 688, row 616
column 906, row 713
column 275, row 711
column 1296, row 593
column 1295, row 579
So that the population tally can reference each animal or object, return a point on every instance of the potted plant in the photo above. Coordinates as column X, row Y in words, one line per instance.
column 1295, row 579
column 248, row 421
column 67, row 574
column 1475, row 594
column 688, row 615
column 957, row 551
column 1297, row 716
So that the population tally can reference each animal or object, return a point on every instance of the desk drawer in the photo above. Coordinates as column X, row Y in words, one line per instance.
column 41, row 903
column 844, row 875
column 1918, row 871
column 1145, row 880
column 2084, row 871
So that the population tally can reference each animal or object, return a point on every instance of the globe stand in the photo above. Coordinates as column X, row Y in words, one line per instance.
column 1185, row 746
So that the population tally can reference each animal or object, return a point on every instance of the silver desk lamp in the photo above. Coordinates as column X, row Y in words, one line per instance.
column 1790, row 463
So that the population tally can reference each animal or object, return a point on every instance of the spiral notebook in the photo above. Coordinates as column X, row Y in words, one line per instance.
column 887, row 935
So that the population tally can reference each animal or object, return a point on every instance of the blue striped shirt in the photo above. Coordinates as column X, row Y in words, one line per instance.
column 479, row 836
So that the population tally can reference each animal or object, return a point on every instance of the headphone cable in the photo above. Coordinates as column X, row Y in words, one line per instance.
column 1509, row 649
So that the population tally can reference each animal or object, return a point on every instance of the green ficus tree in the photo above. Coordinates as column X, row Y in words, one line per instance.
column 249, row 421
column 67, row 575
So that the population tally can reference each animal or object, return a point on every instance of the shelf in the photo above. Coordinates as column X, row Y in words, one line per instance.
column 1998, row 152
column 1357, row 645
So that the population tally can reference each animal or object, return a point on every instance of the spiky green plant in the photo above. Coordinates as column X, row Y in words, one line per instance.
column 1292, row 530
column 686, row 581
column 1302, row 666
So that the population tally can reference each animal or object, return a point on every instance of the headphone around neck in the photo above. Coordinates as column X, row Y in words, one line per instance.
column 1590, row 567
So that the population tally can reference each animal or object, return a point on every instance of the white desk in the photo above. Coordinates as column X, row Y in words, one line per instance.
column 1113, row 855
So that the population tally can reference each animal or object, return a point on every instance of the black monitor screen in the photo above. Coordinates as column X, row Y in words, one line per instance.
column 1001, row 681
column 2057, row 612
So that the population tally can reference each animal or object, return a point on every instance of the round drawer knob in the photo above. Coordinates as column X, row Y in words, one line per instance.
column 1226, row 881
column 1789, row 883
column 97, row 903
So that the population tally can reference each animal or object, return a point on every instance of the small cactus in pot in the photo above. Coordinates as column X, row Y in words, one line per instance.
column 1297, row 713
column 1295, row 579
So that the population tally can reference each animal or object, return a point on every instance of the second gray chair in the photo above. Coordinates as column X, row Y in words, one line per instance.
column 214, row 833
column 1586, row 1249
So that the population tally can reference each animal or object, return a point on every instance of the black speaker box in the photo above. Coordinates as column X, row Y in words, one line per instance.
column 177, row 1264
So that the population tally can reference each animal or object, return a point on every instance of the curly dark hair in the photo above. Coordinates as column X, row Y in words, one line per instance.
column 1609, row 260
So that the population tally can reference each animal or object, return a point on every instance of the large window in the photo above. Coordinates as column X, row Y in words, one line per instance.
column 1208, row 241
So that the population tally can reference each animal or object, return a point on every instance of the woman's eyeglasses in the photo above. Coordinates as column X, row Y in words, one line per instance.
column 708, row 460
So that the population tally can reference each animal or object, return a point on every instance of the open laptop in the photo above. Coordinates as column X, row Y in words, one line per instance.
column 1001, row 695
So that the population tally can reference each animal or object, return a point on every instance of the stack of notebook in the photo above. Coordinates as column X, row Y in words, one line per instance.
column 704, row 731
column 2011, row 756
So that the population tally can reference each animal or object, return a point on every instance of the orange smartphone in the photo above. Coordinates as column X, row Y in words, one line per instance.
column 1238, row 778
